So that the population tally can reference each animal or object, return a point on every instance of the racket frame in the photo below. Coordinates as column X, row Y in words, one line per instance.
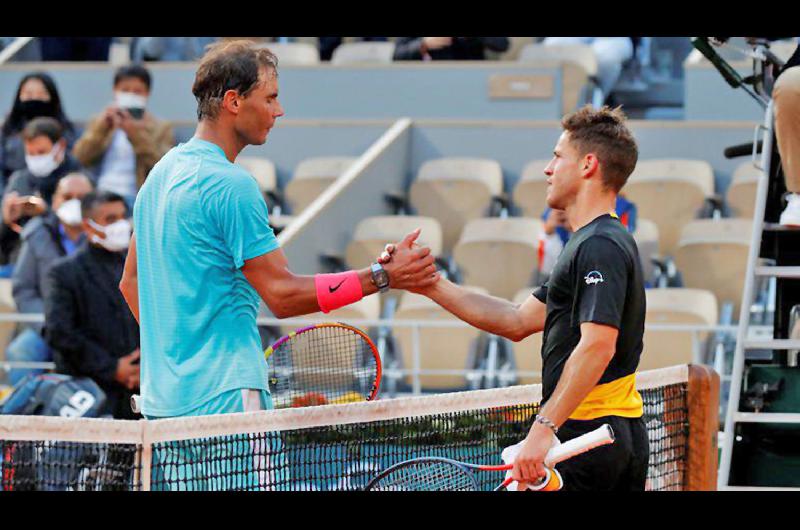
column 603, row 435
column 378, row 363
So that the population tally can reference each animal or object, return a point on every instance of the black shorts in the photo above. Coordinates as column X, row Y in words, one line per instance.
column 620, row 466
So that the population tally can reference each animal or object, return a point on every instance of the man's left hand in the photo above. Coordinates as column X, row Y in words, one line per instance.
column 529, row 464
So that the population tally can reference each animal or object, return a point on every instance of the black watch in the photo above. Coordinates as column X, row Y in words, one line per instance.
column 380, row 277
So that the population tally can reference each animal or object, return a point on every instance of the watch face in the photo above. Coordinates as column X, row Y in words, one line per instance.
column 380, row 277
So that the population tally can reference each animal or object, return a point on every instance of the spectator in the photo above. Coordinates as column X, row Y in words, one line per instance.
column 611, row 54
column 37, row 96
column 125, row 141
column 327, row 45
column 557, row 232
column 45, row 239
column 88, row 324
column 75, row 48
column 30, row 190
column 447, row 48
column 169, row 48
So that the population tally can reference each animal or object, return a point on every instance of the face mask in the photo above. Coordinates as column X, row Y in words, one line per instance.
column 42, row 165
column 34, row 108
column 118, row 235
column 69, row 213
column 129, row 100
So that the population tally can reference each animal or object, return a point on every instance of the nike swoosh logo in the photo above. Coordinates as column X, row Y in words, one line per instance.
column 334, row 289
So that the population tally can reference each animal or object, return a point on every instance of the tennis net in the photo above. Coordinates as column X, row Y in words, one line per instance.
column 341, row 447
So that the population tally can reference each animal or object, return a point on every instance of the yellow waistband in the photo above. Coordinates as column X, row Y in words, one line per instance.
column 617, row 398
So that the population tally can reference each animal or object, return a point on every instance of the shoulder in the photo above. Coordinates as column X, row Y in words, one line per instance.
column 604, row 245
column 230, row 180
column 34, row 228
column 63, row 266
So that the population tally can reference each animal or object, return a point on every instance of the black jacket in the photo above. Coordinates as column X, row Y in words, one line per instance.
column 462, row 49
column 88, row 324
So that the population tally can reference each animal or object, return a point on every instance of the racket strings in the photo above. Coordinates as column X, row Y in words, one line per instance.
column 321, row 365
column 427, row 476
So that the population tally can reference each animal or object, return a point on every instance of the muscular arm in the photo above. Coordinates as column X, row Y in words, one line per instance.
column 288, row 294
column 285, row 293
column 582, row 371
column 489, row 313
column 129, row 285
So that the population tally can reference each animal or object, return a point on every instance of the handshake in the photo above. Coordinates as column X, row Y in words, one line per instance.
column 409, row 265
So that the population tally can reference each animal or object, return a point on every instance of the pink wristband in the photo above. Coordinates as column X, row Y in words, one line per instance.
column 337, row 290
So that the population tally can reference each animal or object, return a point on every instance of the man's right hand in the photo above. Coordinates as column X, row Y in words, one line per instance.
column 412, row 267
column 127, row 372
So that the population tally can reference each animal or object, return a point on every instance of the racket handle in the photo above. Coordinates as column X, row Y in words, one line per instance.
column 601, row 436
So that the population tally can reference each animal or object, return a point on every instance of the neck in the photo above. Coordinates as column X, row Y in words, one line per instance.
column 221, row 135
column 590, row 204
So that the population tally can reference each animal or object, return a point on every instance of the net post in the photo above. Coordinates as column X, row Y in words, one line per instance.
column 703, row 403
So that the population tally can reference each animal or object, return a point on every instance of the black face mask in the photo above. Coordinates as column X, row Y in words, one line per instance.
column 34, row 108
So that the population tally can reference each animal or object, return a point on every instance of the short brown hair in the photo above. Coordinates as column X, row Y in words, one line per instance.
column 229, row 65
column 604, row 133
column 43, row 126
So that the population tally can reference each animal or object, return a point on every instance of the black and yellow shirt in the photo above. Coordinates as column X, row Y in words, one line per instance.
column 597, row 278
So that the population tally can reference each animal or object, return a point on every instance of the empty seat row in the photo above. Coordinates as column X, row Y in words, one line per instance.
column 459, row 348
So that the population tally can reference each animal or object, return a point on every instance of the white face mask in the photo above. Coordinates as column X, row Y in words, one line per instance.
column 129, row 100
column 118, row 235
column 43, row 165
column 70, row 212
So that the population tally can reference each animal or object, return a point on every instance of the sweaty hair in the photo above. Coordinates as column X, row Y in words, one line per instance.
column 43, row 126
column 136, row 71
column 232, row 65
column 603, row 132
column 96, row 198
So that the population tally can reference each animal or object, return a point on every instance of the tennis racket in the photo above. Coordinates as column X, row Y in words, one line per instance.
column 323, row 364
column 444, row 474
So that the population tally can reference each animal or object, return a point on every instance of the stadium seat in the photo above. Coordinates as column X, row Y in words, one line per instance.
column 263, row 170
column 294, row 53
column 499, row 254
column 530, row 191
column 455, row 191
column 363, row 53
column 741, row 196
column 527, row 352
column 373, row 233
column 579, row 67
column 676, row 306
column 450, row 348
column 646, row 237
column 712, row 254
column 311, row 177
column 671, row 193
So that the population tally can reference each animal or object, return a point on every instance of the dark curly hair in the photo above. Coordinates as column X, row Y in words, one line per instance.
column 232, row 65
column 603, row 132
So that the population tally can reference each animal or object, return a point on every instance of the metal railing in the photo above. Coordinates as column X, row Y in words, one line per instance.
column 490, row 370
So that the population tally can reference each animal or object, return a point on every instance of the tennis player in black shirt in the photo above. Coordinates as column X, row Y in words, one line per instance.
column 591, row 311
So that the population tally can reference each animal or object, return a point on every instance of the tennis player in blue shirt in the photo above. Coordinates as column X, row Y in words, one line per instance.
column 203, row 252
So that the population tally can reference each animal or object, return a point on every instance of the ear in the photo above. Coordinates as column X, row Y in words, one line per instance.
column 231, row 102
column 589, row 165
